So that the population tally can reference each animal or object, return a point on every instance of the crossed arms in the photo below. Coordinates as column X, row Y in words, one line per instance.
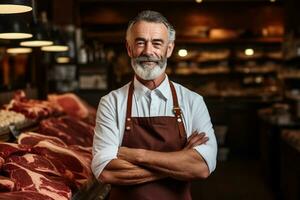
column 135, row 166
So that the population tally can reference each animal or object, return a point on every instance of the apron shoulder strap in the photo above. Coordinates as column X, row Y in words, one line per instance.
column 177, row 110
column 129, row 108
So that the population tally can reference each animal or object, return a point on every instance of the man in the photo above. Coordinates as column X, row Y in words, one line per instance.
column 152, row 136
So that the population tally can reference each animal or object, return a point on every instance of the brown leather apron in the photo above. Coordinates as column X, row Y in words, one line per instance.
column 164, row 134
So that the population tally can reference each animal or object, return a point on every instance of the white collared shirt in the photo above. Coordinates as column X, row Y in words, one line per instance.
column 111, row 114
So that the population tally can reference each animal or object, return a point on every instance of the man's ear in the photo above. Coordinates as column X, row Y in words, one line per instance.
column 170, row 49
column 129, row 52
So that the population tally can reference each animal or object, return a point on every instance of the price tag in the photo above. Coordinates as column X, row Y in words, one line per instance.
column 14, row 131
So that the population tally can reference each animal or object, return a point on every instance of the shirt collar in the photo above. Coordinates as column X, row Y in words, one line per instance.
column 163, row 90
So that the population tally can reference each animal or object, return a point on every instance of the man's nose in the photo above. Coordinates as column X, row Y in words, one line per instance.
column 148, row 50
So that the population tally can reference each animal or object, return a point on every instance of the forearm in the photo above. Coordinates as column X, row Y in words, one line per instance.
column 183, row 165
column 121, row 172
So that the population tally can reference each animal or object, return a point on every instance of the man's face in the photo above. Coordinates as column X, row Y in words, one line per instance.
column 149, row 47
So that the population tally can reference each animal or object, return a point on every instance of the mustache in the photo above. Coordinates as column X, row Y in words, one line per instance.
column 147, row 59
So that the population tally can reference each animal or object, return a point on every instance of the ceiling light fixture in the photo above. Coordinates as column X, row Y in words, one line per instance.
column 41, row 36
column 12, row 28
column 199, row 1
column 18, row 50
column 36, row 43
column 15, row 6
column 59, row 44
column 55, row 48
column 63, row 59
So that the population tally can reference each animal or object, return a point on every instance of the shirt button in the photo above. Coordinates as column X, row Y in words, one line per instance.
column 179, row 120
column 127, row 128
column 128, row 119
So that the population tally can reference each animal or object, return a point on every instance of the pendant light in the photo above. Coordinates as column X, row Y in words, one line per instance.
column 15, row 6
column 63, row 59
column 14, row 28
column 55, row 48
column 59, row 44
column 13, row 47
column 41, row 36
column 18, row 50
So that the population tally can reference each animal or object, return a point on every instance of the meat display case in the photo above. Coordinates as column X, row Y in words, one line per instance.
column 86, row 187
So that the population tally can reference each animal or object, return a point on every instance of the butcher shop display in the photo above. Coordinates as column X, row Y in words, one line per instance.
column 51, row 161
column 74, row 106
column 70, row 131
column 28, row 180
column 24, row 195
column 32, row 138
column 32, row 108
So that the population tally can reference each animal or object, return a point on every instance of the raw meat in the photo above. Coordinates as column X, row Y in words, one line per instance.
column 33, row 109
column 32, row 138
column 42, row 165
column 28, row 180
column 86, row 152
column 1, row 162
column 24, row 195
column 35, row 163
column 7, row 149
column 70, row 163
column 74, row 106
column 66, row 132
column 6, row 184
column 79, row 126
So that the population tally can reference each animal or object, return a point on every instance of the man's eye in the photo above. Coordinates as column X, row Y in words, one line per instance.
column 140, row 43
column 157, row 44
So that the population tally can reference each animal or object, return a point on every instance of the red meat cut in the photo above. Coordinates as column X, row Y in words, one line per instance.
column 67, row 132
column 71, row 104
column 35, row 163
column 7, row 149
column 79, row 126
column 23, row 195
column 70, row 163
column 42, row 165
column 1, row 162
column 28, row 180
column 6, row 184
column 31, row 108
column 32, row 138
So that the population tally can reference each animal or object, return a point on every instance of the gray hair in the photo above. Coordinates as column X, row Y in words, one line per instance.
column 155, row 17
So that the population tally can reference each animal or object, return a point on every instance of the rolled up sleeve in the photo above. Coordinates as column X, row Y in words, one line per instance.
column 201, row 122
column 106, row 138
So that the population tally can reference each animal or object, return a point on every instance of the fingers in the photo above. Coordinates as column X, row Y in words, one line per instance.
column 195, row 136
column 197, row 142
column 196, row 139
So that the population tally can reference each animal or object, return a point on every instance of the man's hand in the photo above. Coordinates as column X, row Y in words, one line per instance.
column 129, row 154
column 186, row 164
column 195, row 139
column 132, row 155
column 121, row 172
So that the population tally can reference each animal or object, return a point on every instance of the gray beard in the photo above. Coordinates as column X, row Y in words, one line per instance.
column 147, row 72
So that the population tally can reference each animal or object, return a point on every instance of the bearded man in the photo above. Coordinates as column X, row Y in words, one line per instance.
column 152, row 136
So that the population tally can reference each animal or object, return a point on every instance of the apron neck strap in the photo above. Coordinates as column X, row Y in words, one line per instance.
column 176, row 108
column 129, row 101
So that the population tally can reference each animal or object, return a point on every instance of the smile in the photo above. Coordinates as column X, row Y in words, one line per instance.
column 148, row 62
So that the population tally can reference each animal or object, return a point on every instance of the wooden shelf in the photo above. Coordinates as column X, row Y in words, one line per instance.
column 119, row 37
column 261, row 40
